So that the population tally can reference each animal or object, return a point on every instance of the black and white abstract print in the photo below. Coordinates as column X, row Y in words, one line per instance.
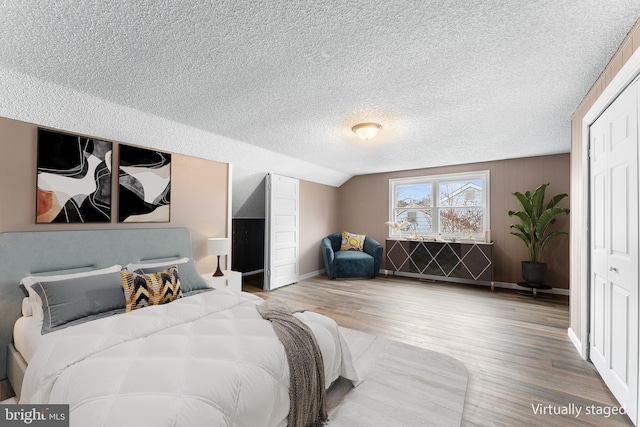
column 74, row 178
column 144, row 188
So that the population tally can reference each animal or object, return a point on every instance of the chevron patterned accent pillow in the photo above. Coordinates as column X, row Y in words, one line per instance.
column 143, row 290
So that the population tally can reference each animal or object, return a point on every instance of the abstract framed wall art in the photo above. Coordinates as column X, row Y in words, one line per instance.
column 144, row 185
column 73, row 178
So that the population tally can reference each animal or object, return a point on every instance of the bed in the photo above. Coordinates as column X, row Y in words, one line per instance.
column 208, row 358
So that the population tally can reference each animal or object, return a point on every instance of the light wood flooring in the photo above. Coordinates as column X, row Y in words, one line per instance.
column 515, row 347
column 6, row 392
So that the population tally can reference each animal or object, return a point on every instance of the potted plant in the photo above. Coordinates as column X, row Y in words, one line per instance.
column 535, row 218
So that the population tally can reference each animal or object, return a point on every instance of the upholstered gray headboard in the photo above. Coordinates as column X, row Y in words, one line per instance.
column 25, row 253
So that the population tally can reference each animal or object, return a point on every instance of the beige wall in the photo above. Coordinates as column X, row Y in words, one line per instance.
column 364, row 202
column 198, row 192
column 319, row 217
column 578, row 174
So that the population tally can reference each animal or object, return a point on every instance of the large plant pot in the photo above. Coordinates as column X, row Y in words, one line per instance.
column 534, row 273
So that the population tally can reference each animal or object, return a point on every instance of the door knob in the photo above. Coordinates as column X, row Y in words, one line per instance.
column 614, row 269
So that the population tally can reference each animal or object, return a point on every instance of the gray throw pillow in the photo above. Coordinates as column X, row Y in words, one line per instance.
column 190, row 279
column 73, row 301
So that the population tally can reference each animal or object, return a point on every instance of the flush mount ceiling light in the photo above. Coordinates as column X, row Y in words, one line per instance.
column 366, row 130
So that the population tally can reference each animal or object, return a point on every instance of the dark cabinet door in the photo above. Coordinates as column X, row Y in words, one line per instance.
column 248, row 244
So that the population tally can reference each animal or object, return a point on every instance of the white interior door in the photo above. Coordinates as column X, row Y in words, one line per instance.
column 614, row 248
column 281, row 229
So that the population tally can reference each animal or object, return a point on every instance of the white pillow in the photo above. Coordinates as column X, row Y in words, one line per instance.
column 34, row 298
column 131, row 267
column 26, row 307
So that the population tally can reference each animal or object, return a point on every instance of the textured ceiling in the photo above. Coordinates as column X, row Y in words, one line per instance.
column 450, row 81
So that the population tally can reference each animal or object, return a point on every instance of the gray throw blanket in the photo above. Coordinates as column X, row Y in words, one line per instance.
column 306, row 369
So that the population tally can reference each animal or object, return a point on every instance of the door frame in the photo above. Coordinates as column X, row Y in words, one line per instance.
column 627, row 74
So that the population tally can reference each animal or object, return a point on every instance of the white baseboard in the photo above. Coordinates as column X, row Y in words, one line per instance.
column 504, row 285
column 556, row 291
column 303, row 277
column 312, row 274
column 576, row 342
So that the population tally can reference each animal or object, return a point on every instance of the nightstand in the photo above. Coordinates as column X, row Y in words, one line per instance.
column 231, row 280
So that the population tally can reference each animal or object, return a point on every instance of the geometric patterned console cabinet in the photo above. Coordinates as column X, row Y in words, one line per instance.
column 470, row 261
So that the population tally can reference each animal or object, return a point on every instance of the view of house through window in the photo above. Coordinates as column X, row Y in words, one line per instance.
column 453, row 205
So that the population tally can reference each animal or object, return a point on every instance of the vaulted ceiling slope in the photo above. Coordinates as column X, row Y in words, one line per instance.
column 283, row 81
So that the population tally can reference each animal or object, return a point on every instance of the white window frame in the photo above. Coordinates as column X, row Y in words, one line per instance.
column 435, row 180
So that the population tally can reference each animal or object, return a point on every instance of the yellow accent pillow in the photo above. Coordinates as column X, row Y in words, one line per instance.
column 142, row 290
column 352, row 241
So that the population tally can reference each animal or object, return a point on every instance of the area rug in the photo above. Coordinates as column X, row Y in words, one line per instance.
column 402, row 385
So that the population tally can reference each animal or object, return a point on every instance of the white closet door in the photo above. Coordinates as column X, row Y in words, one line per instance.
column 614, row 248
column 282, row 231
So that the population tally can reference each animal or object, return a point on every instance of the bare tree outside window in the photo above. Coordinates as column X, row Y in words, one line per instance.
column 463, row 203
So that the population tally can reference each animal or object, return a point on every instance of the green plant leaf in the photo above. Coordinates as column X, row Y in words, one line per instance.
column 525, row 202
column 547, row 218
column 551, row 236
column 554, row 201
column 521, row 228
column 524, row 230
column 524, row 238
column 524, row 219
column 537, row 202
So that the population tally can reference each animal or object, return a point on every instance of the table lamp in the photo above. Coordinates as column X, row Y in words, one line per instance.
column 218, row 246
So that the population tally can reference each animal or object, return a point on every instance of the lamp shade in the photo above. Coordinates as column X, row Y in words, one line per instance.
column 366, row 130
column 218, row 246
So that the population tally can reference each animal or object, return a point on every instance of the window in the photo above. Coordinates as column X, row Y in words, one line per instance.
column 452, row 205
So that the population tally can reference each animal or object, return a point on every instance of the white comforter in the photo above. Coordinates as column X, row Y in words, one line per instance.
column 208, row 359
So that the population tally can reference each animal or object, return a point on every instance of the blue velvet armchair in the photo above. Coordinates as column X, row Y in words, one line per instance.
column 350, row 264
